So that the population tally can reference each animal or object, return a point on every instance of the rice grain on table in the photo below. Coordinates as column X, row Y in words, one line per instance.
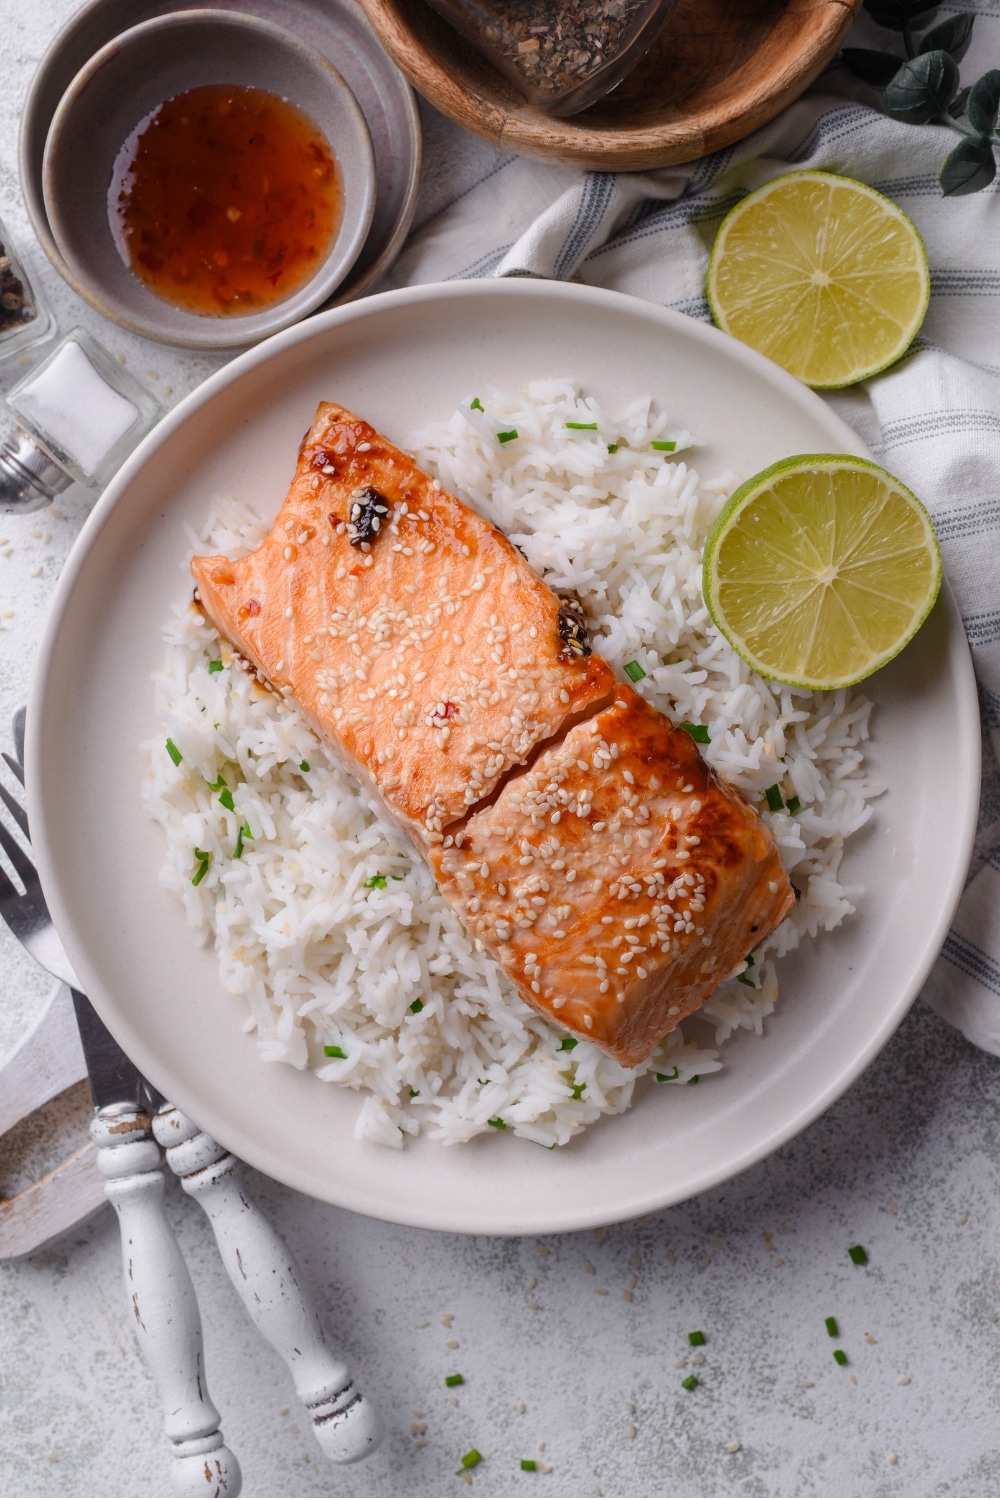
column 325, row 921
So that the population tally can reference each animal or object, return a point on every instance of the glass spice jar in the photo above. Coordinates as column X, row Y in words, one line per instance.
column 24, row 320
column 561, row 57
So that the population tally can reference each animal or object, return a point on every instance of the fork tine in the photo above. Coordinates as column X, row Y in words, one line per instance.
column 16, row 811
column 15, row 766
column 23, row 868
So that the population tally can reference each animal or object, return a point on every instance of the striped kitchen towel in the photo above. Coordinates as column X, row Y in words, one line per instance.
column 934, row 420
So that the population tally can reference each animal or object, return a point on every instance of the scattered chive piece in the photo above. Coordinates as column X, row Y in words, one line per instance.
column 497, row 1123
column 376, row 883
column 794, row 804
column 241, row 838
column 576, row 1089
column 832, row 1329
column 859, row 1255
column 695, row 1079
column 304, row 765
column 582, row 426
column 395, row 877
column 206, row 860
column 215, row 666
column 748, row 982
column 612, row 447
column 775, row 801
column 414, row 1093
column 507, row 437
column 840, row 1356
column 226, row 798
column 470, row 1459
column 174, row 753
column 417, row 1007
column 528, row 1465
column 690, row 1383
column 633, row 671
column 750, row 960
column 454, row 1380
column 567, row 1044
column 666, row 1077
column 476, row 405
column 329, row 1051
column 696, row 1338
column 698, row 732
column 663, row 447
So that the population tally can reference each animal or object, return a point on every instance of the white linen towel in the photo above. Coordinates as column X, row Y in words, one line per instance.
column 934, row 420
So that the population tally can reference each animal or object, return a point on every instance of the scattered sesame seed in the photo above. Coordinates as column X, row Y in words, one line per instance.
column 734, row 1447
column 893, row 1458
column 903, row 1380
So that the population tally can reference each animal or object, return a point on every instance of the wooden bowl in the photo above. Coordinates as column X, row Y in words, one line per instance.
column 717, row 71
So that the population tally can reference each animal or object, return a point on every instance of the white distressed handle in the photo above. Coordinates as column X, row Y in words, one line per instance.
column 269, row 1282
column 162, row 1300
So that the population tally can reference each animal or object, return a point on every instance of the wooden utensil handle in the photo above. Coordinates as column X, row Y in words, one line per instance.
column 163, row 1303
column 267, row 1278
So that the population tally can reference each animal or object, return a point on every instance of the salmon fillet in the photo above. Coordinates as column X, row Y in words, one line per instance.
column 617, row 881
column 409, row 630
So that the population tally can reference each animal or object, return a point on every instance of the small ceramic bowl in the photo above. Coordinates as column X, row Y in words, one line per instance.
column 133, row 75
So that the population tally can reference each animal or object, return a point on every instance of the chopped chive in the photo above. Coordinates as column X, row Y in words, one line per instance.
column 663, row 447
column 215, row 666
column 226, row 798
column 376, row 883
column 667, row 1077
column 470, row 1459
column 775, row 801
column 582, row 426
column 695, row 1078
column 748, row 982
column 859, row 1255
column 633, row 671
column 454, row 1380
column 497, row 1123
column 414, row 1093
column 698, row 732
column 750, row 960
column 612, row 447
column 696, row 1338
column 395, row 877
column 241, row 838
column 476, row 405
column 576, row 1089
column 304, row 765
column 832, row 1329
column 794, row 804
column 840, row 1356
column 690, row 1383
column 529, row 1465
column 329, row 1051
column 174, row 753
column 483, row 1081
column 507, row 437
column 205, row 861
column 567, row 1044
column 417, row 1007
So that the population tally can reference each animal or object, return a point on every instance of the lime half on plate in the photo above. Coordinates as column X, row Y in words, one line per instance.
column 822, row 274
column 820, row 569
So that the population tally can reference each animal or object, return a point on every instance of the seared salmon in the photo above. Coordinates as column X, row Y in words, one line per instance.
column 617, row 881
column 410, row 631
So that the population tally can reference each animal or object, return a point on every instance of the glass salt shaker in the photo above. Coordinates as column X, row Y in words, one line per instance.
column 24, row 318
column 562, row 55
column 79, row 415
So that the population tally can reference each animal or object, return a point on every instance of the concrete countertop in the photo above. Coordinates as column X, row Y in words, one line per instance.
column 573, row 1348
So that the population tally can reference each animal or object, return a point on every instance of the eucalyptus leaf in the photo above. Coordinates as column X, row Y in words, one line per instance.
column 922, row 88
column 970, row 167
column 957, row 106
column 874, row 67
column 983, row 105
column 952, row 35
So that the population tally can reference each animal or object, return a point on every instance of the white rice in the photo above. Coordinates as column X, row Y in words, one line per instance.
column 433, row 1036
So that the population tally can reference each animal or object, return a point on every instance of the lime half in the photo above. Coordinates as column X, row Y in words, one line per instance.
column 822, row 274
column 820, row 569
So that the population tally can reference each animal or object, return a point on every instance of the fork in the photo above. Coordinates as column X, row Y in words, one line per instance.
column 260, row 1265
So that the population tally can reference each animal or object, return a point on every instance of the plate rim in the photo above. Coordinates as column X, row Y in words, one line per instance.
column 46, row 838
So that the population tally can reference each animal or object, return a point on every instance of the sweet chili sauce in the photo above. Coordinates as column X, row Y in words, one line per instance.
column 224, row 200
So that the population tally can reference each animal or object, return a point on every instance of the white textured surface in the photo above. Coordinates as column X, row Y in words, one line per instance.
column 905, row 1164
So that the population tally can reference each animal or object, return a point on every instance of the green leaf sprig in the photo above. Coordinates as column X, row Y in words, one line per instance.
column 925, row 88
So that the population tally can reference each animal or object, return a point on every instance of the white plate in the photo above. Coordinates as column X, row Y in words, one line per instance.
column 402, row 359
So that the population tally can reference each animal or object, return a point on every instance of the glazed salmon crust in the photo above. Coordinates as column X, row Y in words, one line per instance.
column 579, row 835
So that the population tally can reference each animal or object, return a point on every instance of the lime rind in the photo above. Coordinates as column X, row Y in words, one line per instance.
column 757, row 486
column 865, row 370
